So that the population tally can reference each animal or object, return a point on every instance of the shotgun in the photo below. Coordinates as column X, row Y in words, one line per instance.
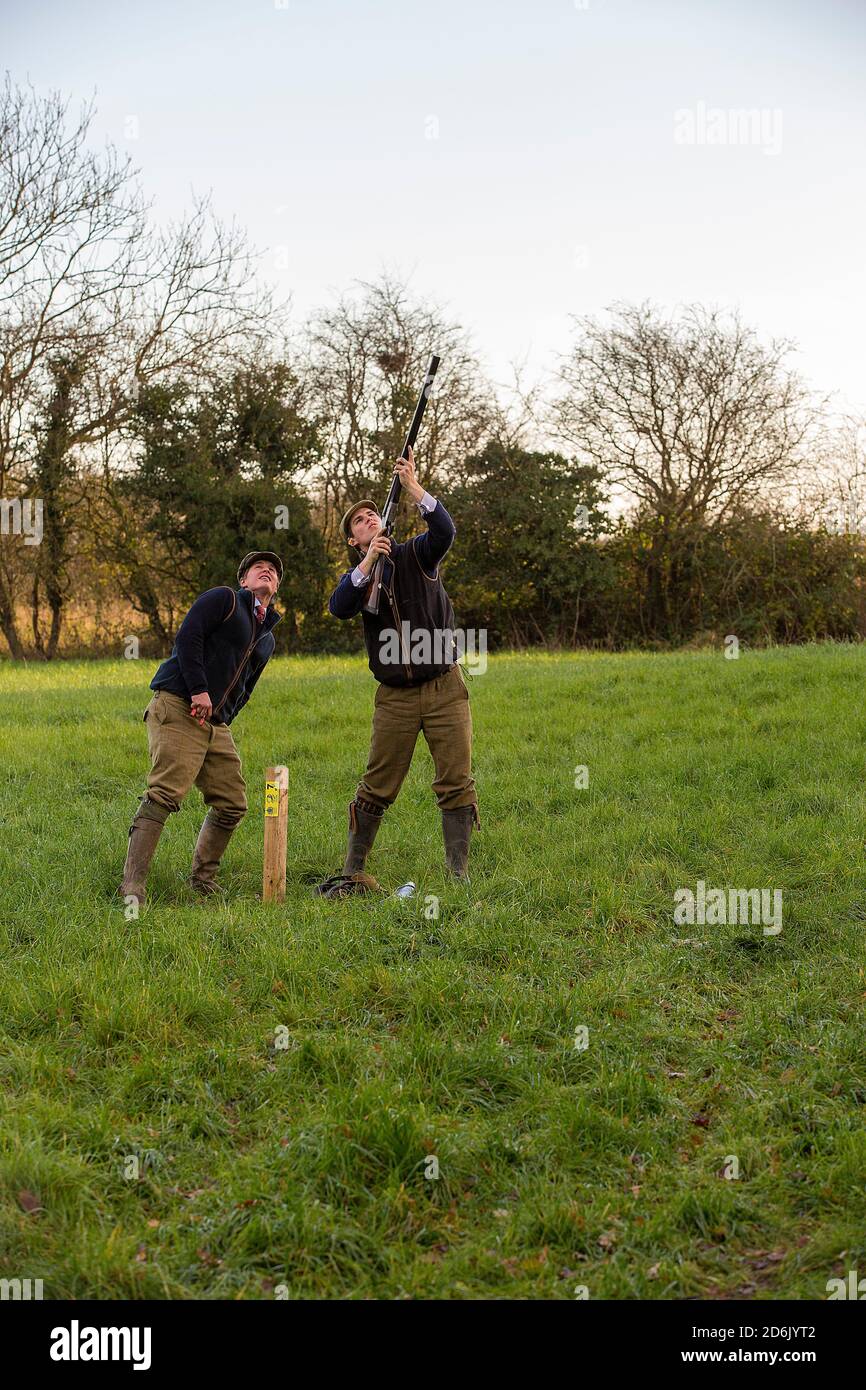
column 389, row 511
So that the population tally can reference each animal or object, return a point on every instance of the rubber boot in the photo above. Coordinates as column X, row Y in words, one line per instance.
column 363, row 827
column 209, row 850
column 456, row 830
column 147, row 826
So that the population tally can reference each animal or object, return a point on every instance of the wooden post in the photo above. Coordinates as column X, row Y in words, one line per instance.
column 276, row 824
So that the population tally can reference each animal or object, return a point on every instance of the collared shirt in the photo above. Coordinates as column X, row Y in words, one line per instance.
column 425, row 504
column 227, row 669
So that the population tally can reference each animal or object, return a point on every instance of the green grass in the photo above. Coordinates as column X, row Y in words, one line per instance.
column 409, row 1035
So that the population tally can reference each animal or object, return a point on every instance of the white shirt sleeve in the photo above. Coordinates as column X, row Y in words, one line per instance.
column 426, row 504
column 359, row 578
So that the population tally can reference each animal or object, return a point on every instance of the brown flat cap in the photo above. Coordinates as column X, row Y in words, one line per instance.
column 356, row 507
column 254, row 555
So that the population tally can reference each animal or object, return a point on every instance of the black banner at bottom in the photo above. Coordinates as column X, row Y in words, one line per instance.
column 226, row 1338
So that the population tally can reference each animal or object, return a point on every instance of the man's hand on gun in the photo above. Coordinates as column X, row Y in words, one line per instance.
column 405, row 470
column 379, row 545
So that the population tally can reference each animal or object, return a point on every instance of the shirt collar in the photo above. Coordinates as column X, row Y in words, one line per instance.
column 272, row 617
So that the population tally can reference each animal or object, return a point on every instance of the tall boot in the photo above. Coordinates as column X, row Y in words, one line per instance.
column 456, row 830
column 364, row 821
column 147, row 826
column 209, row 850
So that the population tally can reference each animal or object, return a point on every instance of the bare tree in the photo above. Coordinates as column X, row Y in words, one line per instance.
column 94, row 303
column 366, row 359
column 65, row 223
column 832, row 488
column 691, row 416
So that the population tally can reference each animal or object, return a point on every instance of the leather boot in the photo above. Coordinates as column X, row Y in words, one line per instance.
column 456, row 830
column 209, row 850
column 147, row 826
column 364, row 822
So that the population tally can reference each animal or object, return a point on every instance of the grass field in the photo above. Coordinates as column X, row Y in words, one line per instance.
column 297, row 1160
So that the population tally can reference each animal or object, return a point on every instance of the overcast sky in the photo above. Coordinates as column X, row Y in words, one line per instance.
column 517, row 162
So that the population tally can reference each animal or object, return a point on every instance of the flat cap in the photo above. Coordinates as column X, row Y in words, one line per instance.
column 254, row 555
column 355, row 507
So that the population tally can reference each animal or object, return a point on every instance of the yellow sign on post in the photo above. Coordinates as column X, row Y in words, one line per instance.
column 276, row 826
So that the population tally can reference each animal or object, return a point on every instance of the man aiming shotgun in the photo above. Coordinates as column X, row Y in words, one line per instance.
column 221, row 649
column 410, row 646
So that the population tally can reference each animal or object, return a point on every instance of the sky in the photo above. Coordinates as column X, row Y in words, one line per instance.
column 518, row 163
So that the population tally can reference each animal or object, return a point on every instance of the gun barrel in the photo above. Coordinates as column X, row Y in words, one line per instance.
column 390, row 508
column 432, row 369
column 394, row 491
